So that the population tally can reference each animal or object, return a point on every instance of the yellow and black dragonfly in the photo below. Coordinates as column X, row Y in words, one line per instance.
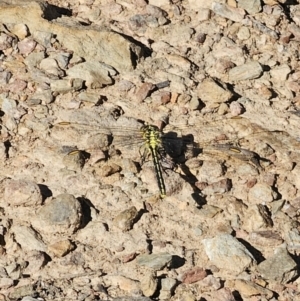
column 168, row 147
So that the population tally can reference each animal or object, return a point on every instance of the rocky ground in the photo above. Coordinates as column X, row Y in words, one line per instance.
column 81, row 217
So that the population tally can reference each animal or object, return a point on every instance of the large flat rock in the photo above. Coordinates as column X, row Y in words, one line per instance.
column 95, row 44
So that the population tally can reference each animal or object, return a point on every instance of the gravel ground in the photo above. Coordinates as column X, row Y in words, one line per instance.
column 81, row 217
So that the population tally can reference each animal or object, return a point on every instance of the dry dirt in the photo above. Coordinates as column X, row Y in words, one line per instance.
column 81, row 213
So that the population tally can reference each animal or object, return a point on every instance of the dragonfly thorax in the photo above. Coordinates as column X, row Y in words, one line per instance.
column 152, row 136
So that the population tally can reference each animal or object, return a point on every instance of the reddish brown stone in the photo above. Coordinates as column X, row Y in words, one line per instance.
column 194, row 275
column 144, row 91
column 251, row 183
column 128, row 257
column 165, row 97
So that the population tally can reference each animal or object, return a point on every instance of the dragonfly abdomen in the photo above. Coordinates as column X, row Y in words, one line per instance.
column 152, row 136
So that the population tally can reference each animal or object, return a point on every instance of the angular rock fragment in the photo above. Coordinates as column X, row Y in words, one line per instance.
column 247, row 71
column 210, row 91
column 248, row 289
column 106, row 46
column 261, row 193
column 280, row 267
column 226, row 11
column 21, row 192
column 154, row 261
column 126, row 218
column 149, row 284
column 28, row 238
column 61, row 215
column 227, row 253
column 93, row 73
column 250, row 6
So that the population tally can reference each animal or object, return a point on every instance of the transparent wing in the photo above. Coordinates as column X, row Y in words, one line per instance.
column 96, row 136
column 234, row 137
column 218, row 130
column 240, row 138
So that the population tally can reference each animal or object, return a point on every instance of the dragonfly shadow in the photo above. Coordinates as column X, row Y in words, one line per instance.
column 86, row 206
column 180, row 149
column 45, row 191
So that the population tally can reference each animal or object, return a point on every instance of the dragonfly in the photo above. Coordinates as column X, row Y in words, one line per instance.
column 167, row 148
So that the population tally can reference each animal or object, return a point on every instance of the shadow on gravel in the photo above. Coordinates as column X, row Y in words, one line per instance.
column 256, row 253
column 45, row 191
column 86, row 205
column 177, row 262
column 53, row 12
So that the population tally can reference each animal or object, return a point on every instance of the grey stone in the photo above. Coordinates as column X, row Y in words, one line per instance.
column 227, row 253
column 229, row 12
column 249, row 70
column 61, row 215
column 251, row 6
column 44, row 96
column 6, row 282
column 34, row 58
column 43, row 37
column 49, row 65
column 167, row 288
column 22, row 291
column 280, row 267
column 66, row 85
column 28, row 238
column 9, row 106
column 89, row 96
column 62, row 59
column 154, row 261
column 293, row 240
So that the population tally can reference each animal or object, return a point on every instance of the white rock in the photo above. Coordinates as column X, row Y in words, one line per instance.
column 249, row 70
column 227, row 253
column 210, row 91
column 280, row 73
column 251, row 6
column 28, row 238
column 94, row 74
column 50, row 66
column 261, row 193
